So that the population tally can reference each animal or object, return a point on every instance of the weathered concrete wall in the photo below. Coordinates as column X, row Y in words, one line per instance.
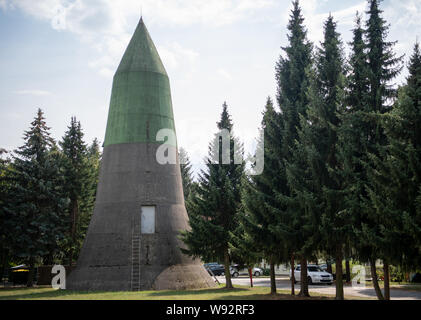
column 130, row 178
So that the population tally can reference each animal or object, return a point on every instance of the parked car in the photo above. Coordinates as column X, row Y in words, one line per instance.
column 257, row 272
column 206, row 265
column 216, row 269
column 234, row 272
column 315, row 275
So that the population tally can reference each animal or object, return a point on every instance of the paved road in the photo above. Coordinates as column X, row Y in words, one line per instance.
column 369, row 293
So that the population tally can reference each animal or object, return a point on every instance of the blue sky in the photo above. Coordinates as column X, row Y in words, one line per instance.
column 60, row 55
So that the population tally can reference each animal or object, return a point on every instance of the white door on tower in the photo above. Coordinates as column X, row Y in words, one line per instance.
column 147, row 220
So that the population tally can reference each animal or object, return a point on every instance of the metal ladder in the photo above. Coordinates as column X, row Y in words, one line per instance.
column 135, row 281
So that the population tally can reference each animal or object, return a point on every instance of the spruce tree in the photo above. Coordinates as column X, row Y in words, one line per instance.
column 292, row 83
column 395, row 169
column 321, row 190
column 213, row 210
column 75, row 170
column 383, row 67
column 373, row 67
column 351, row 135
column 261, row 208
column 37, row 207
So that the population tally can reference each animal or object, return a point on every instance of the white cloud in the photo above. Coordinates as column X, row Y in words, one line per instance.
column 175, row 56
column 104, row 24
column 209, row 13
column 3, row 4
column 314, row 21
column 224, row 74
column 79, row 14
column 33, row 92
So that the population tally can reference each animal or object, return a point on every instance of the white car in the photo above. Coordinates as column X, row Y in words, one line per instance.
column 257, row 272
column 315, row 275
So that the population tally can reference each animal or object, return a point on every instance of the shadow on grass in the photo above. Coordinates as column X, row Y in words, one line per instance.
column 273, row 297
column 57, row 294
column 214, row 294
column 195, row 292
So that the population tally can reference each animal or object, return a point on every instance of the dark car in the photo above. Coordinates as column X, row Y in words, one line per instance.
column 216, row 269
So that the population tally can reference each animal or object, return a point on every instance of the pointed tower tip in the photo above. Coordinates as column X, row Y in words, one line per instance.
column 141, row 53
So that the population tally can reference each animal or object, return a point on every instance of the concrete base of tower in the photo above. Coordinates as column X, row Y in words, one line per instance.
column 183, row 277
column 99, row 279
column 126, row 250
column 177, row 277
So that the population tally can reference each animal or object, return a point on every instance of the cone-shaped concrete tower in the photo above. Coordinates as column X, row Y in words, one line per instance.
column 132, row 241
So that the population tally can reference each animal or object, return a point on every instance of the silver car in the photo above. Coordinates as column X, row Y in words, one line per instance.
column 315, row 275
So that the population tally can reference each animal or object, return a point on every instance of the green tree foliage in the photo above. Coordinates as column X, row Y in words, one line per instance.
column 87, row 200
column 5, row 238
column 353, row 131
column 261, row 210
column 383, row 67
column 292, row 80
column 186, row 173
column 321, row 190
column 37, row 208
column 74, row 165
column 213, row 210
column 373, row 66
column 395, row 185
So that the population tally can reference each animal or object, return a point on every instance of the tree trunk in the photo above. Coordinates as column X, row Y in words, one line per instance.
column 3, row 262
column 348, row 271
column 272, row 278
column 374, row 277
column 251, row 277
column 329, row 266
column 339, row 274
column 228, row 282
column 292, row 275
column 30, row 282
column 304, row 281
column 386, row 280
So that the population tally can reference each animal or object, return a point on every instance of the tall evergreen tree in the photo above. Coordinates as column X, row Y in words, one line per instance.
column 292, row 80
column 383, row 67
column 261, row 208
column 395, row 169
column 351, row 134
column 75, row 170
column 373, row 67
column 318, row 139
column 213, row 210
column 37, row 206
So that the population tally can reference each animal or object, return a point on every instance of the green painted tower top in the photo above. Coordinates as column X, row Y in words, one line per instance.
column 141, row 96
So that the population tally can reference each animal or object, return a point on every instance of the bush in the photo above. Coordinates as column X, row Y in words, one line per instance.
column 266, row 272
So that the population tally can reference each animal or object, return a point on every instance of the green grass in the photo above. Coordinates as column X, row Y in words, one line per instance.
column 399, row 286
column 239, row 293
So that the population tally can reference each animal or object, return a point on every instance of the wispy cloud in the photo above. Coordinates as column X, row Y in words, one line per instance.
column 104, row 24
column 33, row 92
column 224, row 74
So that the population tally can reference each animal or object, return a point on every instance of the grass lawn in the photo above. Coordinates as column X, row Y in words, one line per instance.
column 401, row 286
column 239, row 293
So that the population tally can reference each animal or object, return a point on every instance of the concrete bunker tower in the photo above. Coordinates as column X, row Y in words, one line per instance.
column 132, row 241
